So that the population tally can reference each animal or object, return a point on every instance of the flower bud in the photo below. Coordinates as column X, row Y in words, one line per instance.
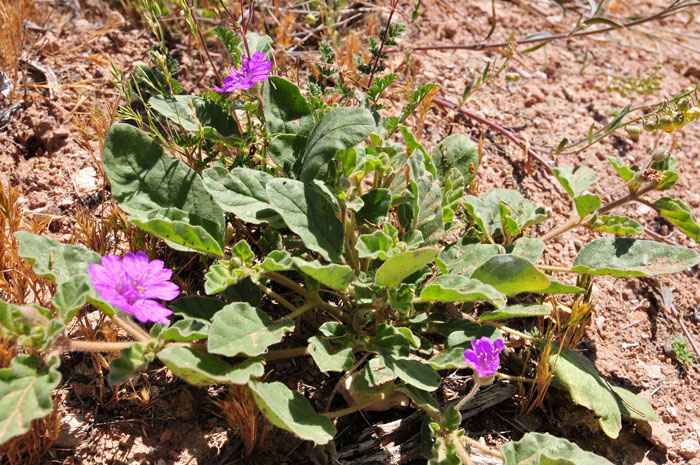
column 633, row 131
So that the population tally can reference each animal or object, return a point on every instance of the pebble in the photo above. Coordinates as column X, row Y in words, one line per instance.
column 653, row 371
column 690, row 448
column 643, row 209
column 672, row 411
column 86, row 180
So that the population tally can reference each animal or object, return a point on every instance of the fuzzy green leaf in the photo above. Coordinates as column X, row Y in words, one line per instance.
column 404, row 264
column 203, row 369
column 622, row 257
column 511, row 275
column 545, row 449
column 329, row 359
column 575, row 180
column 195, row 114
column 291, row 411
column 515, row 311
column 456, row 288
column 331, row 275
column 679, row 214
column 616, row 225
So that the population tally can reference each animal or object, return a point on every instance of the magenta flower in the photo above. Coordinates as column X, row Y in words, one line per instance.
column 132, row 283
column 254, row 69
column 485, row 357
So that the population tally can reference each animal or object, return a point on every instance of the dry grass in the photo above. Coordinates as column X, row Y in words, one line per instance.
column 32, row 447
column 240, row 411
column 13, row 13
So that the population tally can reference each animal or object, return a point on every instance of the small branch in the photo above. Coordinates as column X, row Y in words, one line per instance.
column 512, row 331
column 394, row 3
column 477, row 445
column 520, row 379
column 269, row 292
column 466, row 398
column 99, row 346
column 301, row 310
column 132, row 328
column 286, row 353
column 558, row 269
column 347, row 411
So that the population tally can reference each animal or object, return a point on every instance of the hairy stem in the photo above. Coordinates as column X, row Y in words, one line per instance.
column 285, row 353
column 468, row 397
column 461, row 451
column 132, row 328
column 347, row 411
column 381, row 46
column 270, row 293
column 520, row 379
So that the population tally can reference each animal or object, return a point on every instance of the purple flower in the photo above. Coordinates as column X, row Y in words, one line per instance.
column 254, row 69
column 132, row 283
column 485, row 357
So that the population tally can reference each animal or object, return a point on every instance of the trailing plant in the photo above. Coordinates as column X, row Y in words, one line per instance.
column 339, row 216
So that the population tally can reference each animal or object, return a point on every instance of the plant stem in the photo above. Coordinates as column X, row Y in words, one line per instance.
column 559, row 269
column 99, row 346
column 577, row 221
column 201, row 39
column 131, row 328
column 514, row 378
column 301, row 310
column 270, row 293
column 514, row 332
column 466, row 398
column 285, row 353
column 275, row 276
column 393, row 3
column 477, row 445
column 347, row 411
column 461, row 451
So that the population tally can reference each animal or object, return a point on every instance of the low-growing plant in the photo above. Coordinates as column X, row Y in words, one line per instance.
column 336, row 215
column 683, row 354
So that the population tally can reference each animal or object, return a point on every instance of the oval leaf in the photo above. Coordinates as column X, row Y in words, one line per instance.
column 239, row 328
column 679, row 214
column 456, row 288
column 291, row 411
column 516, row 311
column 543, row 448
column 623, row 257
column 404, row 264
column 511, row 275
column 203, row 369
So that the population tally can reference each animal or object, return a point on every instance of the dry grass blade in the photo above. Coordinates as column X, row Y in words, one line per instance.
column 13, row 13
column 240, row 411
column 31, row 447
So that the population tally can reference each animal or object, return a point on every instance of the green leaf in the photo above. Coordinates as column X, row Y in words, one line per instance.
column 332, row 275
column 374, row 377
column 404, row 264
column 429, row 200
column 71, row 296
column 577, row 375
column 521, row 213
column 278, row 260
column 197, row 307
column 587, row 204
column 244, row 290
column 622, row 257
column 633, row 406
column 375, row 245
column 256, row 43
column 130, row 363
column 307, row 212
column 239, row 328
column 327, row 359
column 290, row 116
column 242, row 192
column 29, row 325
column 203, row 369
column 286, row 110
column 575, row 180
column 25, row 393
column 622, row 170
column 481, row 213
column 544, row 449
column 420, row 397
column 615, row 224
column 529, row 248
column 456, row 151
column 376, row 206
column 221, row 275
column 181, row 230
column 511, row 275
column 143, row 178
column 680, row 215
column 555, row 287
column 515, row 311
column 195, row 114
column 339, row 129
column 413, row 371
column 189, row 329
column 456, row 288
column 54, row 260
column 669, row 167
column 602, row 20
column 464, row 257
column 291, row 411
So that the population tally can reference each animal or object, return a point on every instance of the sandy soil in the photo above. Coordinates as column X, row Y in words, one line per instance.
column 158, row 420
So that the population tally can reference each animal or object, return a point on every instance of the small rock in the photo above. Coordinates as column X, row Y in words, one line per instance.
column 86, row 180
column 692, row 71
column 600, row 321
column 653, row 371
column 429, row 75
column 690, row 448
column 72, row 427
column 660, row 434
column 672, row 411
column 643, row 210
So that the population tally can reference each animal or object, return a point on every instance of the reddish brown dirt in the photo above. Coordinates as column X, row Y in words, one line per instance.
column 43, row 153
